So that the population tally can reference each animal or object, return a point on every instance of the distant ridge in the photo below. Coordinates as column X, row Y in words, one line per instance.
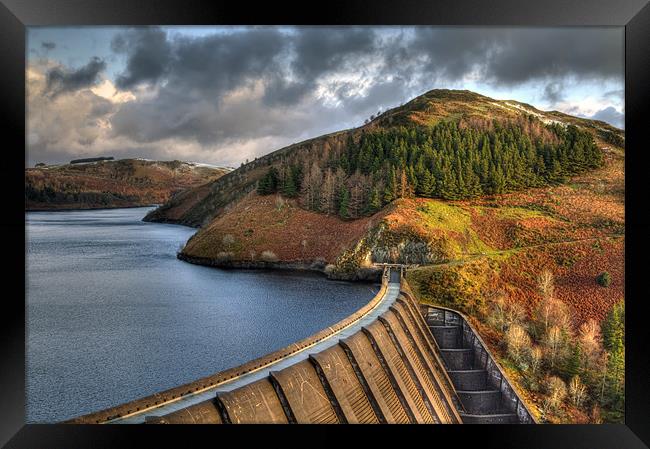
column 104, row 182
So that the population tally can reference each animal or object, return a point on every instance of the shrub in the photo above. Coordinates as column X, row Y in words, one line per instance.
column 228, row 240
column 224, row 256
column 604, row 279
column 268, row 256
column 556, row 392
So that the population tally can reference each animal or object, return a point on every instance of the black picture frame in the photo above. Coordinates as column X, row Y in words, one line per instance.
column 16, row 15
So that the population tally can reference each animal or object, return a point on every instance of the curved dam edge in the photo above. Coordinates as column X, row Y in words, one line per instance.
column 384, row 369
column 205, row 384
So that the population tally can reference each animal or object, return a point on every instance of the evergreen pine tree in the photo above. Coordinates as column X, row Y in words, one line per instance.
column 374, row 202
column 344, row 203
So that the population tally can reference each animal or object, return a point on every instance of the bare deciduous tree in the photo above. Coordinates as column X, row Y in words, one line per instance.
column 591, row 342
column 328, row 192
column 517, row 341
column 546, row 284
column 514, row 311
column 536, row 355
column 577, row 391
column 506, row 311
column 551, row 311
column 553, row 342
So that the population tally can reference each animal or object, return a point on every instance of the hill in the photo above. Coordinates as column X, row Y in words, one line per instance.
column 112, row 183
column 514, row 216
column 443, row 144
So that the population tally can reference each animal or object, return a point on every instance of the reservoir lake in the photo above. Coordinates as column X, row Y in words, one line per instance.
column 112, row 315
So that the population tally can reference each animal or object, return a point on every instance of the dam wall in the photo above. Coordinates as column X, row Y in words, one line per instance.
column 384, row 372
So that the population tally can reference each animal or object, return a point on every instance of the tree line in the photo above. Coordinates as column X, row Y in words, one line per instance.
column 450, row 160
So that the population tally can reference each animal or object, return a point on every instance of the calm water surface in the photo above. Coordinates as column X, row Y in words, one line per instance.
column 112, row 315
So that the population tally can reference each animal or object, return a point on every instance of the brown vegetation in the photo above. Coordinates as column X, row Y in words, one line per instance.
column 261, row 228
column 121, row 183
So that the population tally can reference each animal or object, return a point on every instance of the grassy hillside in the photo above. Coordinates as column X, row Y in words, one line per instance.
column 121, row 183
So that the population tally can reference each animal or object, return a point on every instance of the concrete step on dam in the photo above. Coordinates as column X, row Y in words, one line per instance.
column 392, row 361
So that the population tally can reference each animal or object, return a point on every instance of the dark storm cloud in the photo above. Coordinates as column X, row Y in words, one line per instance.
column 320, row 50
column 524, row 55
column 199, row 71
column 194, row 74
column 449, row 52
column 215, row 62
column 221, row 62
column 315, row 52
column 611, row 116
column 508, row 57
column 48, row 45
column 288, row 63
column 553, row 92
column 501, row 56
column 60, row 79
column 618, row 94
column 148, row 55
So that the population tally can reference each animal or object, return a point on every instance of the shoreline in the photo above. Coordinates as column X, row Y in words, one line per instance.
column 72, row 209
column 366, row 275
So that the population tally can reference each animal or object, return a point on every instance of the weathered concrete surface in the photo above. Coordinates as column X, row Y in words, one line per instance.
column 344, row 383
column 255, row 402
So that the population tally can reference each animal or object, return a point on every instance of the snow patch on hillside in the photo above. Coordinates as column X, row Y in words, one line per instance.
column 542, row 117
column 203, row 164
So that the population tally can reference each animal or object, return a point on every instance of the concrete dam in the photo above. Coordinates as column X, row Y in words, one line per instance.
column 392, row 361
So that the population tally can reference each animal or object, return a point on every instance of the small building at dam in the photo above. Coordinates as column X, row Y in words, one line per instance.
column 393, row 361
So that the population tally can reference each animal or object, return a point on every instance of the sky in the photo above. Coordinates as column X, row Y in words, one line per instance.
column 224, row 95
